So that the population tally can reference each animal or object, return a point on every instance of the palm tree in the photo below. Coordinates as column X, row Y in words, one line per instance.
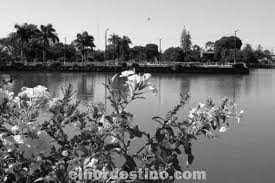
column 124, row 46
column 115, row 40
column 84, row 42
column 46, row 35
column 24, row 33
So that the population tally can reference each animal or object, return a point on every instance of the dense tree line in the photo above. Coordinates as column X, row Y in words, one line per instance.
column 32, row 43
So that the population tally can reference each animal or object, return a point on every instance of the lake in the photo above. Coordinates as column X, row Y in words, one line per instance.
column 245, row 153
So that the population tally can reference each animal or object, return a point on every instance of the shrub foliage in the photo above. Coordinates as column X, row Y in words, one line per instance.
column 72, row 137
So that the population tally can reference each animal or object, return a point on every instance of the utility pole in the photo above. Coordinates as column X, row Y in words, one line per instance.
column 235, row 46
column 65, row 52
column 160, row 49
column 105, row 55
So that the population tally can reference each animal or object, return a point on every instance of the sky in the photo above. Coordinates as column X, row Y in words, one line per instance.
column 146, row 21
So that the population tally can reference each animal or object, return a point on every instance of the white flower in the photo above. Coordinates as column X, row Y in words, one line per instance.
column 36, row 92
column 9, row 94
column 201, row 105
column 65, row 153
column 194, row 110
column 15, row 129
column 18, row 139
column 105, row 124
column 135, row 78
column 223, row 129
column 40, row 91
column 26, row 92
column 54, row 102
column 114, row 139
column 241, row 112
column 127, row 73
column 16, row 100
column 90, row 163
column 146, row 76
column 191, row 116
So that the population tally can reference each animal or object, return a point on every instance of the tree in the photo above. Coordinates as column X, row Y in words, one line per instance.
column 120, row 46
column 58, row 51
column 195, row 53
column 110, row 52
column 223, row 46
column 98, row 55
column 10, row 45
column 4, row 55
column 138, row 53
column 174, row 54
column 35, row 50
column 124, row 47
column 196, row 48
column 151, row 51
column 185, row 41
column 248, row 55
column 46, row 35
column 115, row 41
column 267, row 54
column 24, row 33
column 260, row 53
column 209, row 45
column 84, row 42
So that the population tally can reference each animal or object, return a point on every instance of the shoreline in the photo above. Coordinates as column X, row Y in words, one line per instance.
column 140, row 69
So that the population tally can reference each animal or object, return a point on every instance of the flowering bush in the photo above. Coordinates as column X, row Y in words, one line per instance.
column 90, row 138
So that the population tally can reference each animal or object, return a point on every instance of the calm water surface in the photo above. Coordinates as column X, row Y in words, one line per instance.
column 244, row 154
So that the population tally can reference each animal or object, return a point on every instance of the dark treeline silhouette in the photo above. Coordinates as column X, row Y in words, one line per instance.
column 32, row 43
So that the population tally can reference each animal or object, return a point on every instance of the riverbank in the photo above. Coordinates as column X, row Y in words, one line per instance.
column 261, row 66
column 200, row 69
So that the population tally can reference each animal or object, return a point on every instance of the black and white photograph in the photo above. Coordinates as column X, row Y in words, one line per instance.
column 137, row 91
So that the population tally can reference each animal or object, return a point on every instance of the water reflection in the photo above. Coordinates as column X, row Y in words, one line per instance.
column 248, row 147
column 90, row 87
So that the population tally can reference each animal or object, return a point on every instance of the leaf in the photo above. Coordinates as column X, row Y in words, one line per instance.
column 159, row 135
column 191, row 136
column 158, row 119
column 129, row 165
column 39, row 179
column 190, row 159
column 109, row 147
column 134, row 132
column 177, row 151
column 175, row 162
column 169, row 130
column 187, row 148
column 109, row 118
